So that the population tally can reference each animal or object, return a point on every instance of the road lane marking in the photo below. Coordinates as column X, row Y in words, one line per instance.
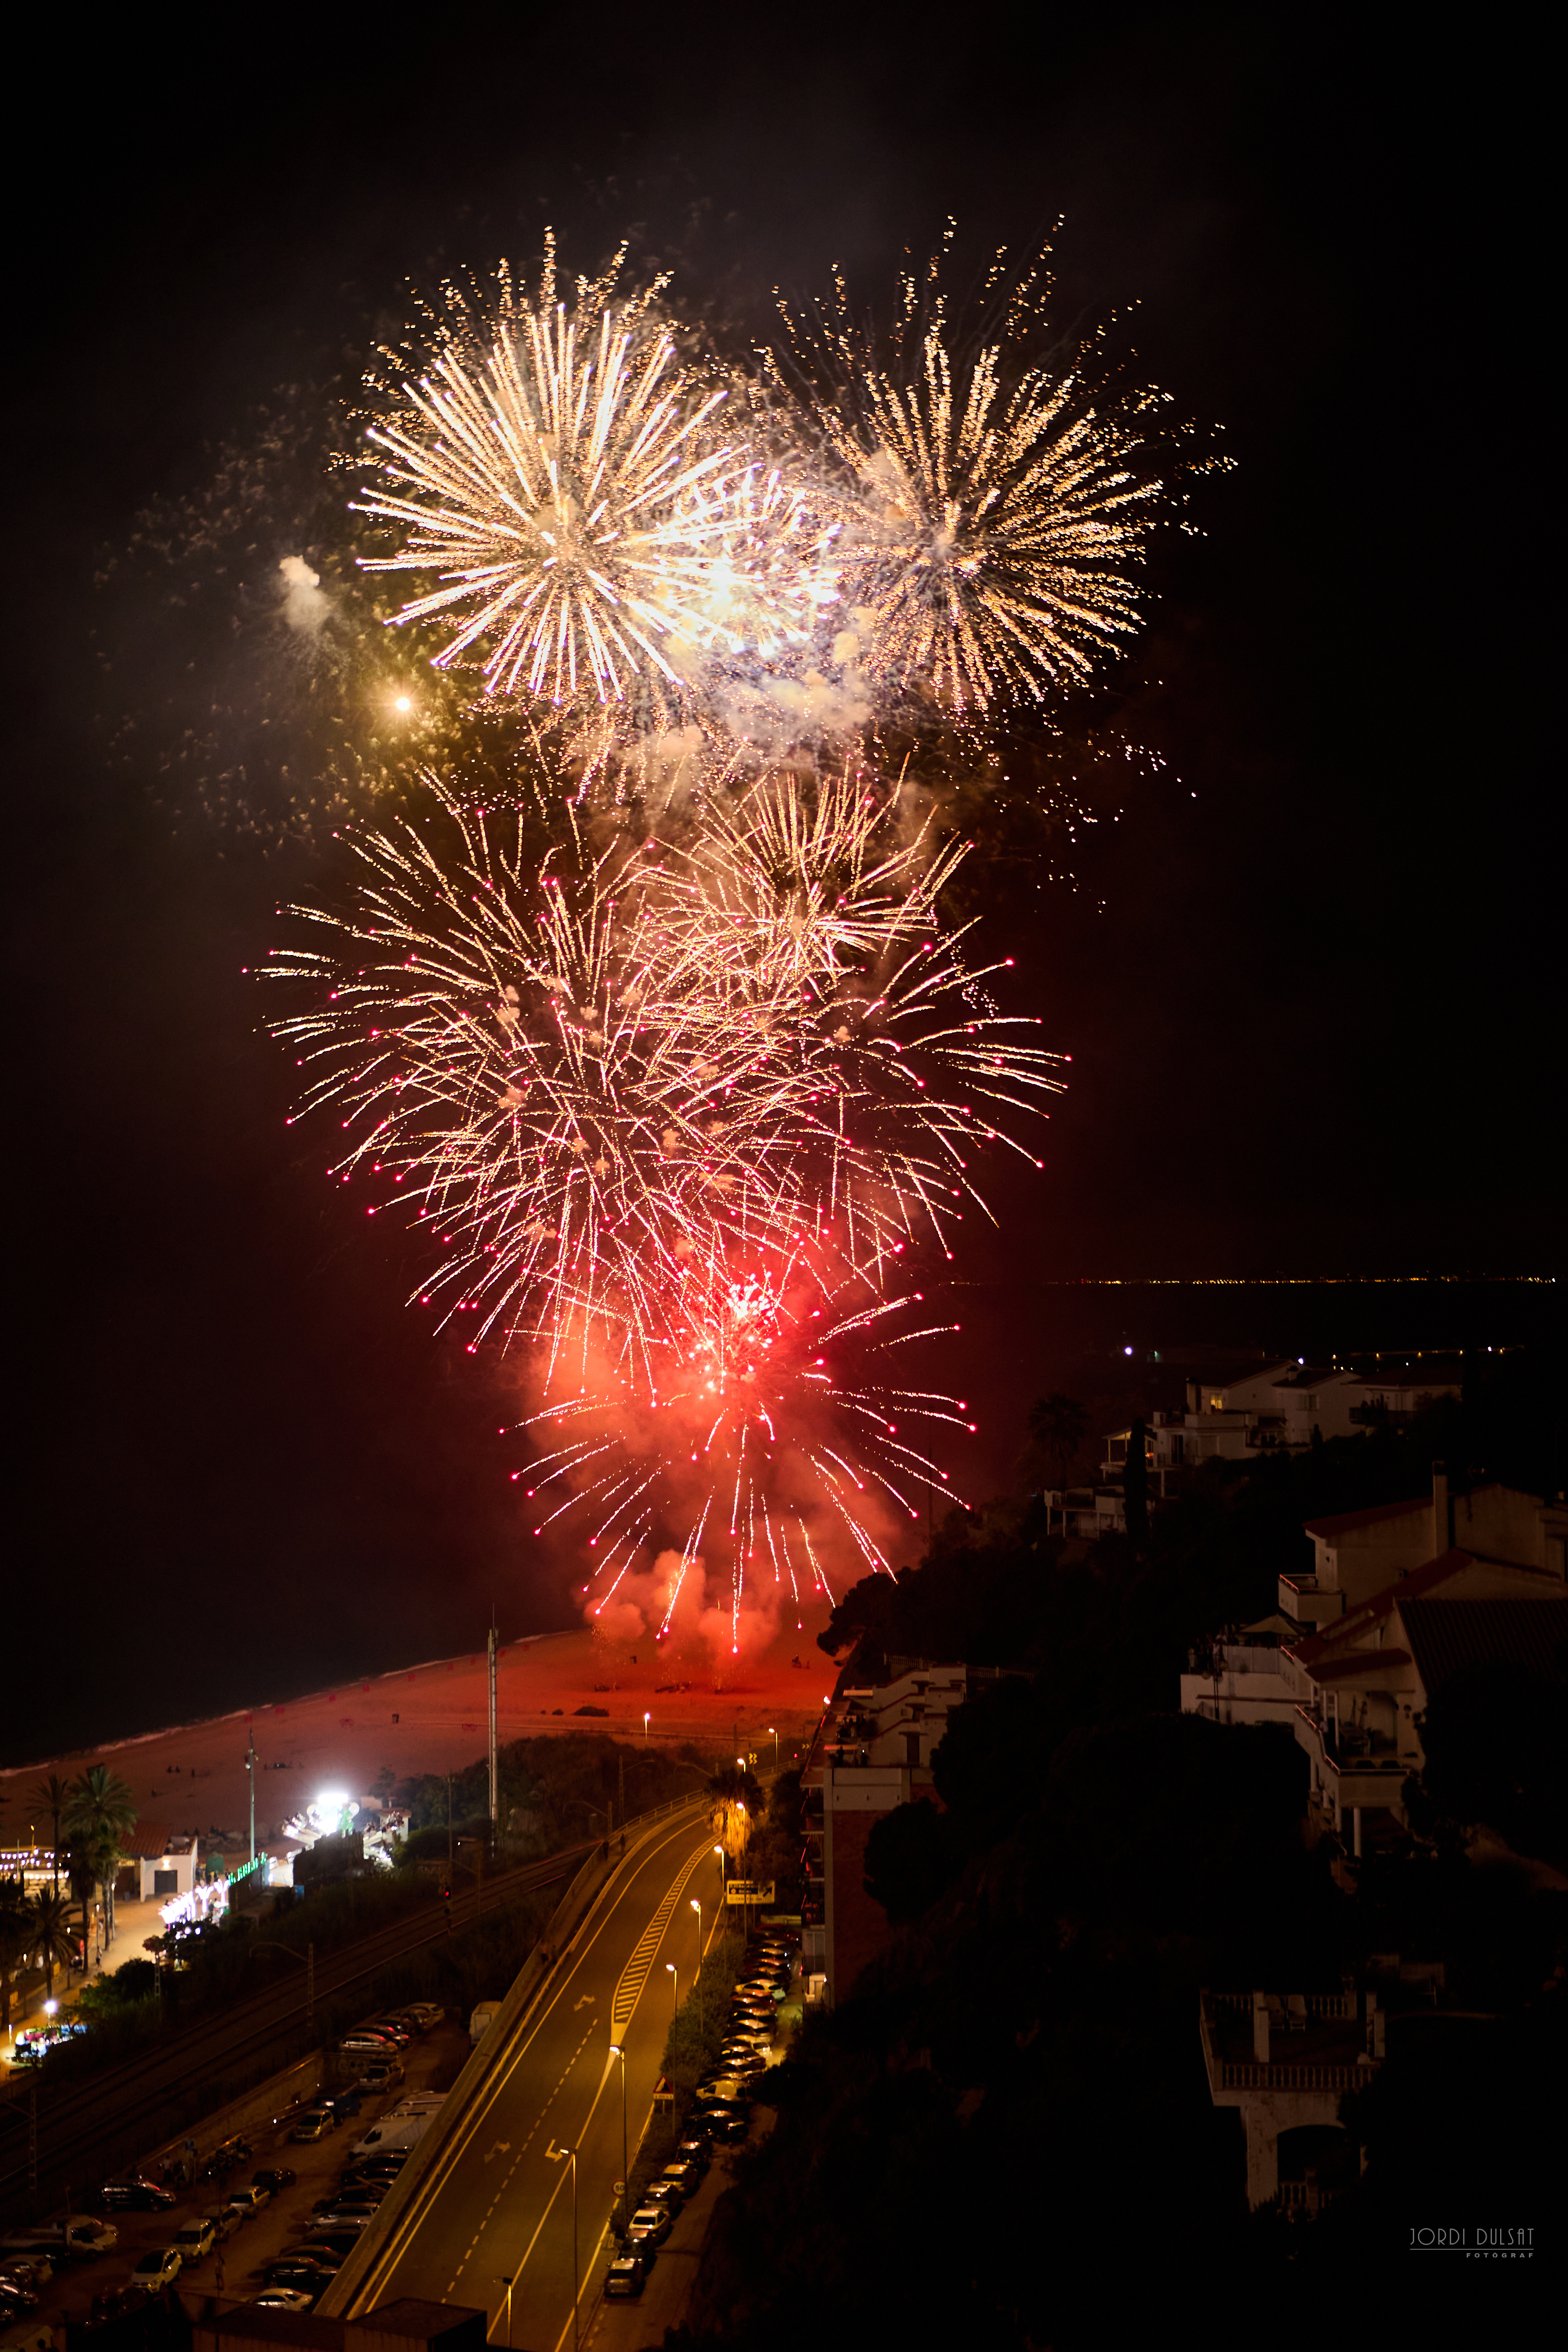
column 583, row 1998
column 628, row 1992
column 501, row 2147
column 406, row 2229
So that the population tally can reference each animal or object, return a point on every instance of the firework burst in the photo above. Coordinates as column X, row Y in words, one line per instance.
column 499, row 1041
column 593, row 535
column 780, row 1425
column 993, row 511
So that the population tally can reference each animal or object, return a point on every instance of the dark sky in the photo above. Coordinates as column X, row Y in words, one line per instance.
column 1310, row 1026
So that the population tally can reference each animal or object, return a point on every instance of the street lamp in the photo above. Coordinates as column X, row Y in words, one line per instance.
column 702, row 1997
column 646, row 1721
column 773, row 1729
column 618, row 2051
column 569, row 2154
column 674, row 1974
column 501, row 2281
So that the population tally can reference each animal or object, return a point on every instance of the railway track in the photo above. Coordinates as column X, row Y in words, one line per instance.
column 57, row 2136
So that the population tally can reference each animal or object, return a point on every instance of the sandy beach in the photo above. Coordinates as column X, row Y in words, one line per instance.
column 430, row 1718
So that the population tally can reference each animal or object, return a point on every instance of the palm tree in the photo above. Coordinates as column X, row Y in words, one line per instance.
column 50, row 1797
column 99, row 1812
column 15, row 1940
column 1058, row 1422
column 53, row 1934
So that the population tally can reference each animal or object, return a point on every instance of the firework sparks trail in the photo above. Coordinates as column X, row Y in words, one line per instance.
column 876, row 1047
column 991, row 510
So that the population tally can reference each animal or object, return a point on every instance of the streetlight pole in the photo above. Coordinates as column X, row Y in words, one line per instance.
column 701, row 1996
column 773, row 1729
column 507, row 2306
column 618, row 2051
column 555, row 2155
column 674, row 1974
column 646, row 1721
column 250, row 1770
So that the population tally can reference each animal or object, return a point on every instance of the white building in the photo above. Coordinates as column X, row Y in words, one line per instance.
column 1400, row 1597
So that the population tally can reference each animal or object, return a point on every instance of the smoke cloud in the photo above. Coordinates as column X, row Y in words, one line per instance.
column 304, row 605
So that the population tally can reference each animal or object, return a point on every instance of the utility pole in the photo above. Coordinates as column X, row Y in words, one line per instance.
column 309, row 1986
column 449, row 1859
column 621, row 1804
column 490, row 1646
column 250, row 1768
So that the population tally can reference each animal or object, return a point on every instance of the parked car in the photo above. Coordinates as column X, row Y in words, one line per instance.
column 193, row 2241
column 272, row 2177
column 114, row 2303
column 362, row 2197
column 650, row 2226
column 341, row 2243
column 295, row 2278
column 693, row 2150
column 314, row 2123
column 157, row 2269
column 383, row 2075
column 342, row 2104
column 247, row 2201
column 33, row 2270
column 687, row 2173
column 669, row 2194
column 307, row 2256
column 726, row 2123
column 17, row 2299
column 284, row 2299
column 359, row 2045
column 346, row 2217
column 134, row 2196
column 626, row 2276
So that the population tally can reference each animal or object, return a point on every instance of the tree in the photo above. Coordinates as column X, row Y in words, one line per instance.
column 1058, row 1424
column 99, row 1812
column 50, row 1797
column 55, row 1936
column 15, row 1940
column 912, row 1855
column 1496, row 1742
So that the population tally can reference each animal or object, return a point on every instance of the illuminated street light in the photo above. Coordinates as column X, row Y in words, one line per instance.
column 569, row 2154
column 646, row 1721
column 674, row 1974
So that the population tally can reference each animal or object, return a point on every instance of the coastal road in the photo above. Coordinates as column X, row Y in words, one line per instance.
column 497, row 2206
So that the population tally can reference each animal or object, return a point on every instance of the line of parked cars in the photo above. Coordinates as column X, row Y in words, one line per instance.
column 720, row 2110
column 294, row 2279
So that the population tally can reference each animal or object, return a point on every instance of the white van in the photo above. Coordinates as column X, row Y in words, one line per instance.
column 391, row 2135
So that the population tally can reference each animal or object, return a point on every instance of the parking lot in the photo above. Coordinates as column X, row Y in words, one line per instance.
column 235, row 2266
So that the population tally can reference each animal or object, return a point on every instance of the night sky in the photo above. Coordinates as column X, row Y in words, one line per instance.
column 1307, row 978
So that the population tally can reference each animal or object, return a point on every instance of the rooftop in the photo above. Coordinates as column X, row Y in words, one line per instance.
column 1447, row 1636
column 1345, row 1522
